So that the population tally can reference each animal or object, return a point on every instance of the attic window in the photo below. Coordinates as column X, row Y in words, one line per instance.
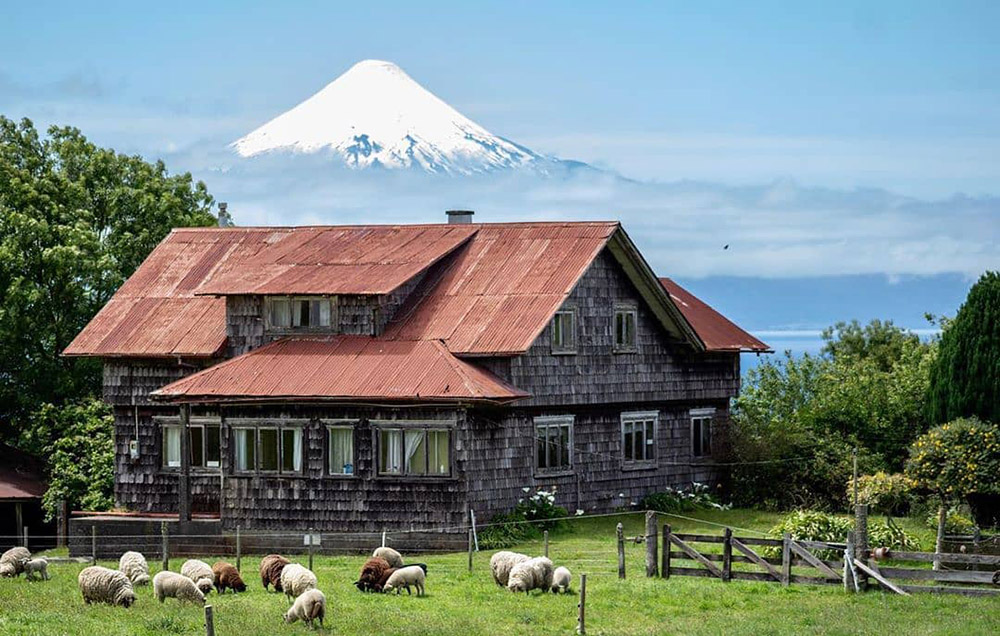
column 625, row 320
column 564, row 331
column 299, row 313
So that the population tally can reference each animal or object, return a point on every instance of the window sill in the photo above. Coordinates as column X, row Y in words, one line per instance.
column 171, row 470
column 564, row 352
column 636, row 466
column 548, row 474
column 626, row 351
column 340, row 476
column 417, row 478
column 267, row 475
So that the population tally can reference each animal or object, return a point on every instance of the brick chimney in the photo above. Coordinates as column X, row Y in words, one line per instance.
column 459, row 216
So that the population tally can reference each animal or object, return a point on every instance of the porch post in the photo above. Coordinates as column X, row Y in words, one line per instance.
column 184, row 482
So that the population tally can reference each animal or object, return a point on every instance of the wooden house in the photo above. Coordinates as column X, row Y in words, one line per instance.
column 354, row 378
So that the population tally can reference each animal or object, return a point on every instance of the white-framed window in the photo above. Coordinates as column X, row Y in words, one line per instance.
column 639, row 438
column 564, row 331
column 553, row 443
column 340, row 448
column 701, row 432
column 290, row 313
column 625, row 329
column 271, row 447
column 413, row 449
column 204, row 442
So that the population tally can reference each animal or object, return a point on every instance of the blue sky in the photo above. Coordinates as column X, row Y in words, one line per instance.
column 843, row 144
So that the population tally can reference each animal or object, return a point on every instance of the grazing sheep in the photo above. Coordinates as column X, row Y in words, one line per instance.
column 296, row 579
column 134, row 565
column 200, row 573
column 561, row 580
column 393, row 558
column 270, row 570
column 101, row 585
column 309, row 606
column 501, row 563
column 531, row 575
column 226, row 576
column 10, row 562
column 173, row 585
column 405, row 577
column 35, row 566
column 382, row 581
column 371, row 573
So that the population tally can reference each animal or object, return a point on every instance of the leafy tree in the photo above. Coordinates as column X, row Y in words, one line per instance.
column 883, row 343
column 75, row 222
column 82, row 459
column 965, row 381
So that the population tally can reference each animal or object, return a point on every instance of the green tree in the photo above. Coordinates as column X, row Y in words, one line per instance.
column 75, row 222
column 965, row 380
column 882, row 343
column 82, row 458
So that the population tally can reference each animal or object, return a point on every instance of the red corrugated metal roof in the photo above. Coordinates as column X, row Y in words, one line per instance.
column 501, row 289
column 20, row 475
column 342, row 367
column 715, row 330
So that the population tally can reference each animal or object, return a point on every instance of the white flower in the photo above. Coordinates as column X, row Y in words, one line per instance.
column 526, row 489
column 622, row 495
column 520, row 501
column 579, row 512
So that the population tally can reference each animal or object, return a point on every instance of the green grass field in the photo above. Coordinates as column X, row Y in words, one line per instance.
column 460, row 602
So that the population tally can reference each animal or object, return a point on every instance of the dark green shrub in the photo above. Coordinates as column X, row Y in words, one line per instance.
column 506, row 530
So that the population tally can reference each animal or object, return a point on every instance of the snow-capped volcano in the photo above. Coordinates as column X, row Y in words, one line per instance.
column 377, row 115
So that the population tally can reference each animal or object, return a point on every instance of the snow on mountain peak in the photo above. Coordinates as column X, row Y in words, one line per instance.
column 377, row 115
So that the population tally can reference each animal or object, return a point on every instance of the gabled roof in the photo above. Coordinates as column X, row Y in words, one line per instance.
column 715, row 330
column 342, row 368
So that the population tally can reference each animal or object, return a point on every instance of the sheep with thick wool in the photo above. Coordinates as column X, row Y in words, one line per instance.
column 201, row 573
column 37, row 566
column 404, row 578
column 533, row 574
column 308, row 606
column 371, row 574
column 393, row 558
column 270, row 570
column 296, row 579
column 501, row 563
column 227, row 577
column 102, row 585
column 173, row 585
column 134, row 565
column 11, row 562
column 562, row 578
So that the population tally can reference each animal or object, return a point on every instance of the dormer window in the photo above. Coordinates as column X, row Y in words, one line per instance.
column 293, row 313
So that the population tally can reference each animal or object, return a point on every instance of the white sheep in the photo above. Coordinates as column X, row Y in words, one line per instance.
column 201, row 573
column 102, row 585
column 309, row 606
column 531, row 575
column 134, row 565
column 561, row 580
column 393, row 558
column 38, row 565
column 173, row 585
column 405, row 577
column 501, row 563
column 11, row 560
column 296, row 579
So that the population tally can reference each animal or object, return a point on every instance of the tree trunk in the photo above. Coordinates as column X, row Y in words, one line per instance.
column 939, row 544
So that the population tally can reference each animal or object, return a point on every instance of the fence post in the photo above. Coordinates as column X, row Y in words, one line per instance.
column 581, row 624
column 470, row 549
column 861, row 540
column 786, row 559
column 475, row 531
column 209, row 621
column 545, row 543
column 727, row 555
column 665, row 569
column 621, row 552
column 25, row 536
column 652, row 545
column 310, row 549
column 93, row 544
column 239, row 549
column 850, row 584
column 383, row 538
column 166, row 539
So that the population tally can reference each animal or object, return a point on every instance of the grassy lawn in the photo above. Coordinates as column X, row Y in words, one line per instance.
column 460, row 602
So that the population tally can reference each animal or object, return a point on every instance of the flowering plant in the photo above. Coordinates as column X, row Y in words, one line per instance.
column 540, row 507
column 698, row 496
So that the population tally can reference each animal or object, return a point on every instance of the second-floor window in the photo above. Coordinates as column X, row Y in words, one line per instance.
column 564, row 331
column 299, row 312
column 625, row 319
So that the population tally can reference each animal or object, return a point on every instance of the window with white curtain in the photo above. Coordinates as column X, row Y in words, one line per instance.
column 340, row 449
column 273, row 448
column 639, row 438
column 204, row 443
column 300, row 313
column 245, row 449
column 417, row 451
column 171, row 446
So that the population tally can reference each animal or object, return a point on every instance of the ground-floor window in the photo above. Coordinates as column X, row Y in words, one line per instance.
column 701, row 432
column 639, row 438
column 270, row 447
column 340, row 448
column 553, row 443
column 204, row 443
column 415, row 450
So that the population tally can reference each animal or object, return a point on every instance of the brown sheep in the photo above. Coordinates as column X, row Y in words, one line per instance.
column 381, row 582
column 371, row 574
column 226, row 576
column 270, row 570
